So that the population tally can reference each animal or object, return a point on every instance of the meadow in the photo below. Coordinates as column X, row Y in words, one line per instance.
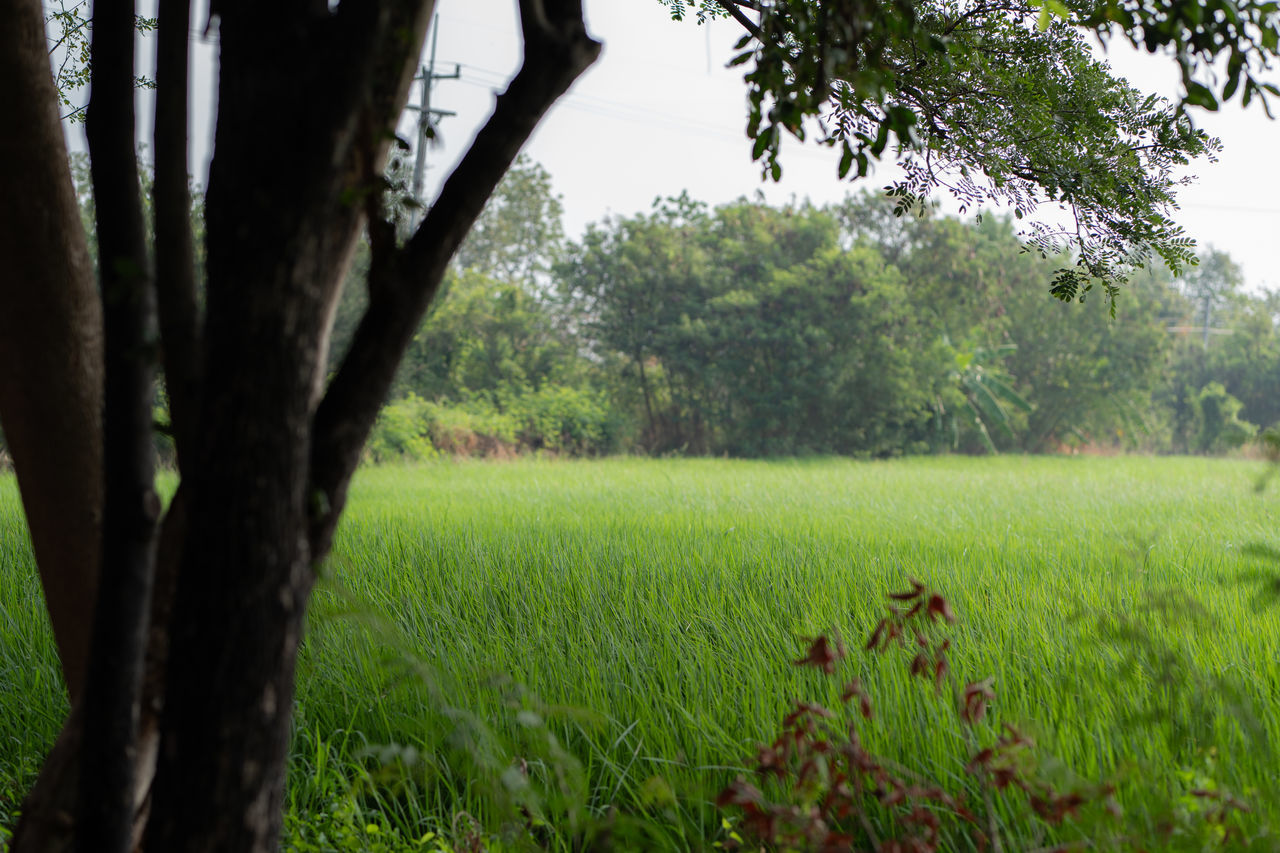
column 552, row 644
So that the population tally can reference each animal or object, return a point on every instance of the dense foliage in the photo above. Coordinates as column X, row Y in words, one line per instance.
column 752, row 330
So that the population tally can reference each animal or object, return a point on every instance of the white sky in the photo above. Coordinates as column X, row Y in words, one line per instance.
column 659, row 113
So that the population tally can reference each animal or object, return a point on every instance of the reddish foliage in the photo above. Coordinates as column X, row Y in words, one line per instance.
column 938, row 608
column 854, row 689
column 976, row 696
column 917, row 590
column 824, row 654
column 839, row 796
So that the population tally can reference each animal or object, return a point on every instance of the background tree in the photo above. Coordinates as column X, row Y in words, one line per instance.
column 775, row 331
column 521, row 231
column 627, row 280
column 1214, row 281
column 1247, row 361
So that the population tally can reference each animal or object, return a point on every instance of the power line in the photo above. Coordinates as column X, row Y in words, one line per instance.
column 633, row 114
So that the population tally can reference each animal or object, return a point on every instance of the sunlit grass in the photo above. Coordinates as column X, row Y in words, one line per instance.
column 1127, row 609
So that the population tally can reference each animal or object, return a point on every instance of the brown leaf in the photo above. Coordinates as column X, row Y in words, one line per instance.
column 980, row 760
column 938, row 608
column 876, row 635
column 739, row 793
column 823, row 655
column 1003, row 777
column 1056, row 807
column 855, row 688
column 976, row 696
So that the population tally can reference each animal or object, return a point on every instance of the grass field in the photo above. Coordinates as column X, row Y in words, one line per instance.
column 626, row 627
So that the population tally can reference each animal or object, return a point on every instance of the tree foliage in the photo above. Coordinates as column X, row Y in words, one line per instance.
column 752, row 330
column 520, row 233
column 70, row 29
column 1004, row 102
column 757, row 331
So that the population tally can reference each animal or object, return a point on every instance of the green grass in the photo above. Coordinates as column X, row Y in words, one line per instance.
column 1127, row 608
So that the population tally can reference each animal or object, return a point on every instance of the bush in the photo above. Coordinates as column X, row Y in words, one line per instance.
column 566, row 420
column 555, row 418
column 1219, row 415
column 402, row 432
column 414, row 430
column 475, row 428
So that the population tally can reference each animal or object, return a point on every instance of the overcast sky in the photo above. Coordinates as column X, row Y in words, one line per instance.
column 659, row 113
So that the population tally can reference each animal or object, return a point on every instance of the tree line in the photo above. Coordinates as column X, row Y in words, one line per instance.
column 752, row 330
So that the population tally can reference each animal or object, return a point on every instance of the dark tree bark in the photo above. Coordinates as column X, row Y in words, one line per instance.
column 300, row 144
column 267, row 474
column 403, row 282
column 171, row 193
column 131, row 509
column 50, row 385
column 50, row 339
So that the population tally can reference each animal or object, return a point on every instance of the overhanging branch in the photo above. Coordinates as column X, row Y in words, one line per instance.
column 736, row 13
column 557, row 50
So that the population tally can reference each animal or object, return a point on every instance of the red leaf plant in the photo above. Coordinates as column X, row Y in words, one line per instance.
column 833, row 794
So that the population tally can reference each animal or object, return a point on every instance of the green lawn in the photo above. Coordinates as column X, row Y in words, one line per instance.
column 626, row 626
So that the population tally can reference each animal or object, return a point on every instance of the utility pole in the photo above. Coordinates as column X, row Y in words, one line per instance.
column 426, row 120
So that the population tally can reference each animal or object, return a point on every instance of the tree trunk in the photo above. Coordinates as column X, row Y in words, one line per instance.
column 50, row 339
column 266, row 458
column 279, row 225
column 50, row 386
column 131, row 509
column 242, row 590
column 47, row 822
column 652, row 437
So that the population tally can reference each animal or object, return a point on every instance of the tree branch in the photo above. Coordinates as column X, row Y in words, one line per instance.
column 736, row 13
column 557, row 50
column 175, row 255
column 130, row 505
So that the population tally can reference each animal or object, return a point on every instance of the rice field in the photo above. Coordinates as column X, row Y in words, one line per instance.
column 503, row 644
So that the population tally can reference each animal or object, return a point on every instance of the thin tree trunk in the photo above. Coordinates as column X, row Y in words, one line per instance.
column 131, row 508
column 648, row 402
column 174, row 243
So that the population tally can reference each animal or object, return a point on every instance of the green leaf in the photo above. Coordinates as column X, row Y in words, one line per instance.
column 1201, row 96
column 846, row 160
column 761, row 145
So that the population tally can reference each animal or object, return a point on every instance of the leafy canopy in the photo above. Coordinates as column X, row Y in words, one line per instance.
column 1004, row 102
